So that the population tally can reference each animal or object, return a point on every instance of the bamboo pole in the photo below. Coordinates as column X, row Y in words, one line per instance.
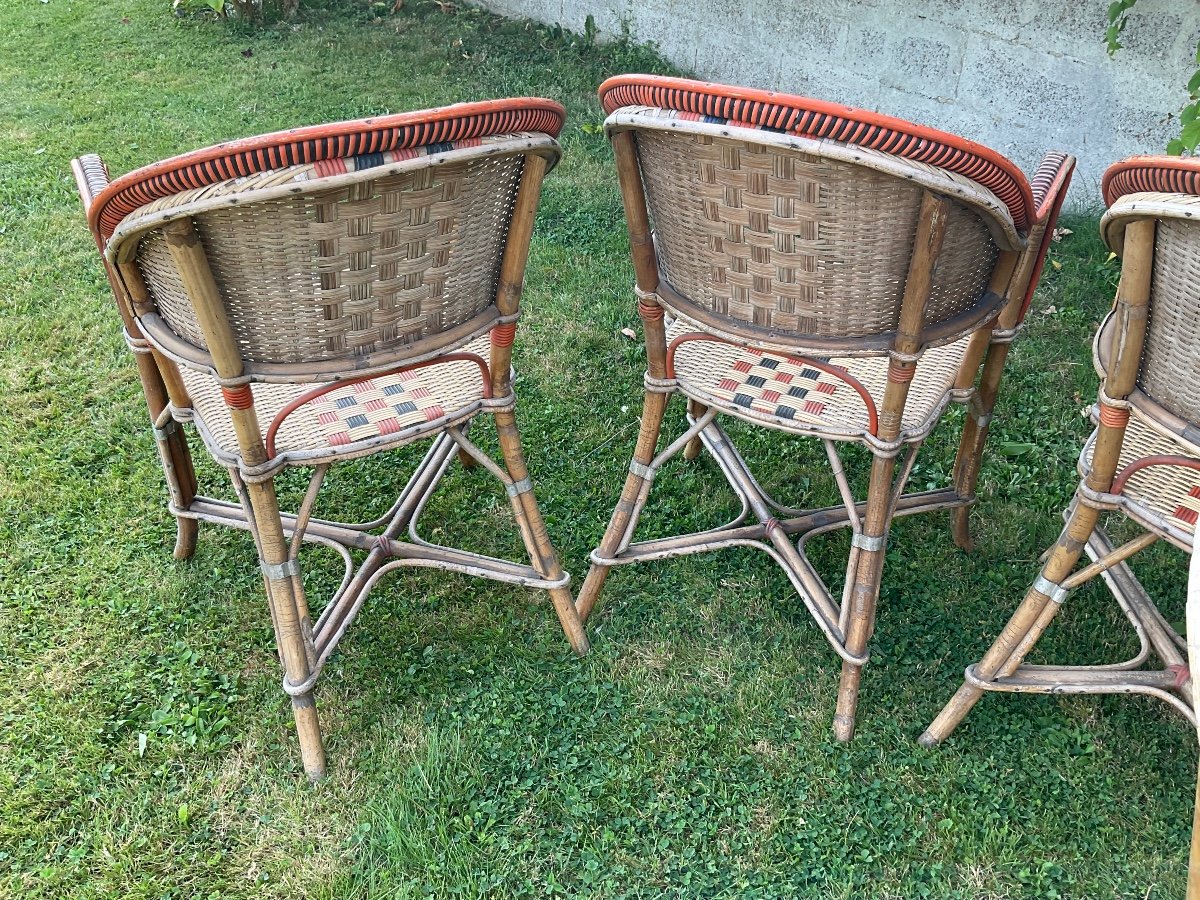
column 645, row 265
column 927, row 246
column 1193, row 633
column 509, row 288
column 285, row 595
column 1010, row 279
column 156, row 374
column 1032, row 616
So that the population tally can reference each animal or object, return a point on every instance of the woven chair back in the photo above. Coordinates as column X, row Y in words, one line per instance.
column 1170, row 370
column 334, row 269
column 799, row 242
column 1167, row 190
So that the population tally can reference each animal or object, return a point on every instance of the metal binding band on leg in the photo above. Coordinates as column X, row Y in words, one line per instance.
column 1056, row 592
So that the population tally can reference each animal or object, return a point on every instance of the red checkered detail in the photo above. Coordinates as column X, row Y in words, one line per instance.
column 375, row 407
column 779, row 386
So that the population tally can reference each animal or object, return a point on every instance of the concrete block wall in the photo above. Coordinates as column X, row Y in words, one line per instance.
column 1021, row 76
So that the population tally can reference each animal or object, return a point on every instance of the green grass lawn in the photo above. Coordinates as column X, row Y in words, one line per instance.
column 147, row 751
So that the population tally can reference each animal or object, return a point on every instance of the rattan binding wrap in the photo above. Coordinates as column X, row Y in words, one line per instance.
column 801, row 239
column 333, row 269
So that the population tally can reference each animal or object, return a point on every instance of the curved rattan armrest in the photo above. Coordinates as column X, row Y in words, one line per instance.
column 992, row 210
column 91, row 177
column 1146, row 205
column 294, row 181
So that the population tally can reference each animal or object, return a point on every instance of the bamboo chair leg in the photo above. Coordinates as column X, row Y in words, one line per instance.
column 293, row 631
column 1193, row 660
column 292, row 637
column 696, row 409
column 1027, row 624
column 173, row 452
column 187, row 532
column 533, row 531
column 864, row 595
column 1193, row 881
column 91, row 177
column 974, row 437
column 1037, row 609
column 627, row 507
column 466, row 460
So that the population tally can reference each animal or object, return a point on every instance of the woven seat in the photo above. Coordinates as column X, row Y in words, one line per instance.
column 827, row 272
column 314, row 295
column 813, row 396
column 342, row 422
column 1142, row 461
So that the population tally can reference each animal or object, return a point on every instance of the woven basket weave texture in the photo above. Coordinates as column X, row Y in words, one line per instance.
column 797, row 243
column 353, row 270
column 1170, row 370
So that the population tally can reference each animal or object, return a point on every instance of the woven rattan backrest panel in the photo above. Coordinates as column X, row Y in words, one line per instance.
column 1170, row 371
column 795, row 242
column 364, row 267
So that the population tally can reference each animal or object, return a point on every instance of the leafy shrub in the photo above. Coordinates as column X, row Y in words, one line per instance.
column 1189, row 116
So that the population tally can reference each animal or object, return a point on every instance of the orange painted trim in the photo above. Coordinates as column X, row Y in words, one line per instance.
column 822, row 107
column 1186, row 462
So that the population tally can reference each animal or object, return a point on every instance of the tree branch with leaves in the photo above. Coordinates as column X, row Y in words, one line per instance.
column 1189, row 116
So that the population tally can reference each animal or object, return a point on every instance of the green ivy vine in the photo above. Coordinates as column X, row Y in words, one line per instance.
column 1189, row 116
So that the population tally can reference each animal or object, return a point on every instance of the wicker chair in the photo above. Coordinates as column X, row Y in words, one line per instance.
column 828, row 272
column 322, row 294
column 1142, row 461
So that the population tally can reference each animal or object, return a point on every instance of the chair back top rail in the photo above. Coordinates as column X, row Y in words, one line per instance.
column 314, row 143
column 806, row 117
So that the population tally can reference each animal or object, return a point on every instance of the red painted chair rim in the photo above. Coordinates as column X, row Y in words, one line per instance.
column 297, row 146
column 770, row 109
column 1165, row 174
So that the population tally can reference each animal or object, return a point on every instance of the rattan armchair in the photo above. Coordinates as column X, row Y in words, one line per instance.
column 820, row 271
column 1142, row 461
column 317, row 295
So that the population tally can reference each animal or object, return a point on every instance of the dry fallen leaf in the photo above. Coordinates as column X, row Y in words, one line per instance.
column 1057, row 265
column 1049, row 310
column 1060, row 233
column 629, row 333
